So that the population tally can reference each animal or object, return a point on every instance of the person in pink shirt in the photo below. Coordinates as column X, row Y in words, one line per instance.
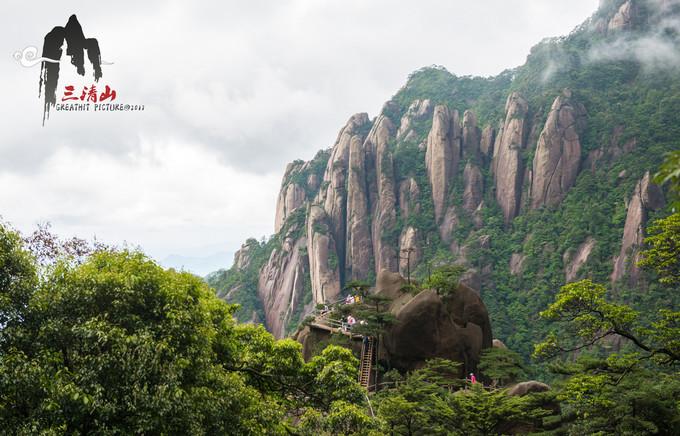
column 473, row 379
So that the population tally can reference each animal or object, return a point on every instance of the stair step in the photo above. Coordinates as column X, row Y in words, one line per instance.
column 366, row 363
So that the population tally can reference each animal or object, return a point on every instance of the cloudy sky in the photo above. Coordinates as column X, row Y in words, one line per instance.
column 232, row 92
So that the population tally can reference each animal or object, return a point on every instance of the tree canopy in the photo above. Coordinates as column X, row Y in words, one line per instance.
column 118, row 345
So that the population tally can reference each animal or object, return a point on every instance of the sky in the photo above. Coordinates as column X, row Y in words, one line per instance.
column 232, row 91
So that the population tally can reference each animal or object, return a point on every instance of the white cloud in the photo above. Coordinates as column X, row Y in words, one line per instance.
column 166, row 197
column 233, row 91
column 656, row 49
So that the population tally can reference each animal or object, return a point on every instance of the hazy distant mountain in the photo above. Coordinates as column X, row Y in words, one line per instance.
column 199, row 265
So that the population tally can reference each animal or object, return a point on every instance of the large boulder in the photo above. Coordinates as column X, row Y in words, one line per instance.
column 528, row 387
column 428, row 326
column 310, row 339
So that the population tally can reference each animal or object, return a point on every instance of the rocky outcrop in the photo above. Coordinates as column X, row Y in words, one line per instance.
column 409, row 198
column 623, row 18
column 528, row 387
column 427, row 326
column 334, row 196
column 471, row 277
column 448, row 224
column 558, row 153
column 419, row 110
column 442, row 155
column 507, row 164
column 497, row 343
column 323, row 259
column 471, row 136
column 517, row 263
column 573, row 261
column 410, row 248
column 474, row 187
column 311, row 339
column 281, row 284
column 487, row 141
column 607, row 153
column 646, row 197
column 383, row 194
column 358, row 259
column 291, row 197
column 242, row 257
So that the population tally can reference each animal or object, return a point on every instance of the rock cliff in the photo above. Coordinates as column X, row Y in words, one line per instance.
column 383, row 194
column 647, row 197
column 507, row 164
column 526, row 188
column 281, row 284
column 442, row 155
column 558, row 153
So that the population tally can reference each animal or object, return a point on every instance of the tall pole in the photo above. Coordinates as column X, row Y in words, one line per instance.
column 408, row 252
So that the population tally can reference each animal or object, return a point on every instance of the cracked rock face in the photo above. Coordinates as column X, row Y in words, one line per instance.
column 323, row 261
column 507, row 164
column 281, row 284
column 574, row 261
column 442, row 155
column 383, row 194
column 558, row 153
column 242, row 257
column 471, row 137
column 411, row 250
column 409, row 198
column 334, row 197
column 291, row 197
column 487, row 141
column 623, row 18
column 646, row 197
column 417, row 111
column 474, row 187
column 358, row 259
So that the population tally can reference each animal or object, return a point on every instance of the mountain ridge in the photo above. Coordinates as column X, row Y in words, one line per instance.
column 528, row 178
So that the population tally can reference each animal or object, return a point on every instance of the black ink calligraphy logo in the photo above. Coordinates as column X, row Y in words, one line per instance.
column 79, row 48
column 76, row 47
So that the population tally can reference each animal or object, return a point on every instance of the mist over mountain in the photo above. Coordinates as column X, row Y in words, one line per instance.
column 528, row 179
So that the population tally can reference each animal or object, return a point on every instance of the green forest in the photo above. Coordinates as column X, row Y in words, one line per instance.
column 98, row 339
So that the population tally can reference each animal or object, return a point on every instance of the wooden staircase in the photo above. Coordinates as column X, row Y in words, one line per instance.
column 366, row 362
